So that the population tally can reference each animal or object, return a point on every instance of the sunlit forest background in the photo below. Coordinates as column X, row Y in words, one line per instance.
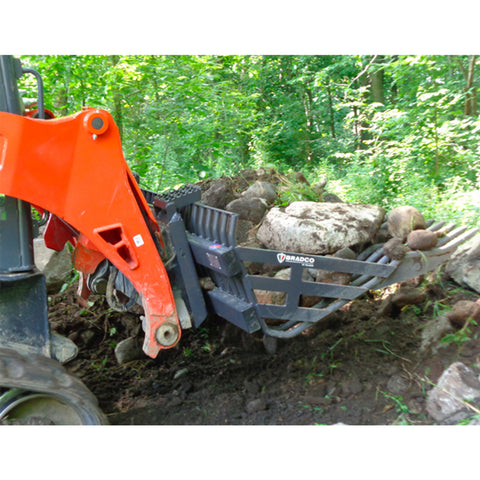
column 384, row 129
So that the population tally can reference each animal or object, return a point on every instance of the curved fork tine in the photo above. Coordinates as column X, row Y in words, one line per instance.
column 436, row 226
column 454, row 241
column 451, row 236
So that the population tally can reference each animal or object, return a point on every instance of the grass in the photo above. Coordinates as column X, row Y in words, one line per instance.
column 400, row 407
column 460, row 336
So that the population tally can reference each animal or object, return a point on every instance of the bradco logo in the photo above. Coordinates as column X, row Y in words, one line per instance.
column 283, row 257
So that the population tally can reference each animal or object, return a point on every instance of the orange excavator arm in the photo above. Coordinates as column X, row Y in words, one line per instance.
column 74, row 168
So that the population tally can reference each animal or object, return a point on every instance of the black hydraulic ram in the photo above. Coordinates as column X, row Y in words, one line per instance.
column 23, row 297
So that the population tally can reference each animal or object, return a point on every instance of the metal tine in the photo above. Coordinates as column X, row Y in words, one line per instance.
column 193, row 219
column 376, row 257
column 215, row 235
column 370, row 252
column 198, row 223
column 451, row 235
column 454, row 243
column 208, row 223
column 231, row 231
column 223, row 229
column 436, row 226
column 449, row 227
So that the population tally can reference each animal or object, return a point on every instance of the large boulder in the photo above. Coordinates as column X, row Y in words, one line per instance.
column 319, row 228
column 464, row 265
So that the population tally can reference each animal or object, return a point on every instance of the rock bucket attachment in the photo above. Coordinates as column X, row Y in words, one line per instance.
column 211, row 236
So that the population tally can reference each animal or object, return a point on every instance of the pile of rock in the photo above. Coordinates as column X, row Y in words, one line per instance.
column 315, row 227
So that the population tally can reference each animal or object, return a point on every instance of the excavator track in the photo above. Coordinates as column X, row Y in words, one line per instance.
column 39, row 390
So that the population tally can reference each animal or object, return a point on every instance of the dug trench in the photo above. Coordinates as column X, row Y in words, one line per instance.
column 365, row 365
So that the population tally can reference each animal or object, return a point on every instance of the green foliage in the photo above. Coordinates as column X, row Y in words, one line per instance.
column 460, row 336
column 388, row 130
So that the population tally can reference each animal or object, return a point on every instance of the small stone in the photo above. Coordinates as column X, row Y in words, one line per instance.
column 270, row 344
column 87, row 337
column 331, row 198
column 300, row 177
column 462, row 311
column 433, row 332
column 206, row 283
column 397, row 385
column 257, row 405
column 386, row 307
column 422, row 240
column 408, row 296
column 180, row 373
column 263, row 190
column 402, row 220
column 394, row 249
column 128, row 350
column 352, row 386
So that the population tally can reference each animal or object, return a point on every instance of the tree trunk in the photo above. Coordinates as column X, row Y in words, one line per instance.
column 117, row 99
column 376, row 82
column 471, row 91
column 330, row 111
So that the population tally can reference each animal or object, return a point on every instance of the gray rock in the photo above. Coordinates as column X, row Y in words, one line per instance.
column 257, row 405
column 270, row 344
column 408, row 296
column 433, row 332
column 398, row 385
column 278, row 298
column 394, row 249
column 251, row 209
column 462, row 311
column 263, row 190
column 128, row 350
column 464, row 265
column 338, row 278
column 402, row 220
column 180, row 373
column 352, row 386
column 319, row 228
column 331, row 198
column 56, row 266
column 242, row 232
column 445, row 402
column 219, row 194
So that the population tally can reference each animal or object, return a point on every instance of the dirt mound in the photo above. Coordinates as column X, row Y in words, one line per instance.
column 361, row 368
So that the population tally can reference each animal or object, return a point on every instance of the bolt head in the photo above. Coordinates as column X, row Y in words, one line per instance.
column 167, row 334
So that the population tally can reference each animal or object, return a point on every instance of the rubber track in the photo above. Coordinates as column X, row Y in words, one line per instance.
column 38, row 373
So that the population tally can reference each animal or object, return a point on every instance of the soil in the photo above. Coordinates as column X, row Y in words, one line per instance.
column 363, row 366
